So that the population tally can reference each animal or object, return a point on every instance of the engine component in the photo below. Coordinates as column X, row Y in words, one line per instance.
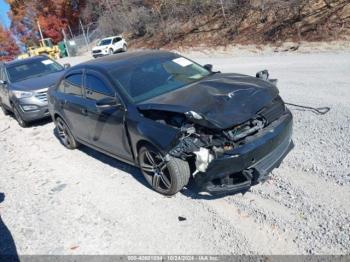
column 203, row 158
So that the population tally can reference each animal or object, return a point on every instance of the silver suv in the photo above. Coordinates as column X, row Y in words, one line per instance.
column 24, row 85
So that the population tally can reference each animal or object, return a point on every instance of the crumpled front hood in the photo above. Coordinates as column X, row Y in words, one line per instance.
column 37, row 83
column 223, row 100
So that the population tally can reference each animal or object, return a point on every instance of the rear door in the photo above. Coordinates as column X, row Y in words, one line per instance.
column 107, row 127
column 117, row 43
column 73, row 104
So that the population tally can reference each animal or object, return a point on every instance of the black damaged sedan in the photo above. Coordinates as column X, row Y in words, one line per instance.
column 175, row 120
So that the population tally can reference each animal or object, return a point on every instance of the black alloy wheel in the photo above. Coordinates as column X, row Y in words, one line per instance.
column 65, row 135
column 165, row 176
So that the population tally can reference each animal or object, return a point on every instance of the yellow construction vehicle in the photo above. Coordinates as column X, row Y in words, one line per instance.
column 46, row 48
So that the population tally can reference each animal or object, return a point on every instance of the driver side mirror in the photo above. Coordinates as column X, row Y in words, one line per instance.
column 264, row 75
column 66, row 65
column 107, row 103
column 209, row 67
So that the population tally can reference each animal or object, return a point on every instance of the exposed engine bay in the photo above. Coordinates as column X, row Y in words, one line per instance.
column 207, row 144
column 231, row 129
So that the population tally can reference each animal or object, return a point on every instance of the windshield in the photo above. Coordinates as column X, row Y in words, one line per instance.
column 154, row 76
column 105, row 42
column 34, row 68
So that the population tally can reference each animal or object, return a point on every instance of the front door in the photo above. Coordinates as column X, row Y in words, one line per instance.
column 117, row 43
column 106, row 128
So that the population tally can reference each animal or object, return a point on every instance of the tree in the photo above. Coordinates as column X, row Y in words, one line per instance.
column 22, row 24
column 8, row 47
column 52, row 26
column 53, row 15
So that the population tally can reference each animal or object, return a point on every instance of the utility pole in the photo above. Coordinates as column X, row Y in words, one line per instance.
column 86, row 41
column 41, row 33
column 71, row 33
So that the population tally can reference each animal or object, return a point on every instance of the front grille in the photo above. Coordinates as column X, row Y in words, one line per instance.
column 96, row 51
column 41, row 95
column 273, row 111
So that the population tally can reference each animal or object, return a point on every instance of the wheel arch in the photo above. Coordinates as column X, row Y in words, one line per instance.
column 141, row 143
column 56, row 115
column 12, row 104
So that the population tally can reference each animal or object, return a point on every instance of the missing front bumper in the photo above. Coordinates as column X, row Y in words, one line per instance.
column 250, row 163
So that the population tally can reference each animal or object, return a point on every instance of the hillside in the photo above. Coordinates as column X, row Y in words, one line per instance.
column 181, row 23
column 254, row 22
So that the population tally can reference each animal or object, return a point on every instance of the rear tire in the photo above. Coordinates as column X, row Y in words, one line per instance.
column 65, row 135
column 165, row 177
column 19, row 118
column 125, row 48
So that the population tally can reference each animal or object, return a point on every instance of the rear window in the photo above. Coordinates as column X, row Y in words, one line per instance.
column 116, row 40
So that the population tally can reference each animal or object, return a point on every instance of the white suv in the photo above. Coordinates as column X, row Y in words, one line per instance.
column 109, row 45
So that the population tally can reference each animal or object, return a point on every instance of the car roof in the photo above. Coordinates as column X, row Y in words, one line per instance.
column 113, row 61
column 111, row 37
column 25, row 60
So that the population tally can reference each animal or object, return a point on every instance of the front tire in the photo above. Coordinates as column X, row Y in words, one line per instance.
column 4, row 110
column 65, row 135
column 165, row 177
column 19, row 118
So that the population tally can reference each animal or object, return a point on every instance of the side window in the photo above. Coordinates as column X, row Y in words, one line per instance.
column 116, row 40
column 72, row 85
column 96, row 88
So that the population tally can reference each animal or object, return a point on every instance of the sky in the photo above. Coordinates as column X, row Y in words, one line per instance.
column 4, row 8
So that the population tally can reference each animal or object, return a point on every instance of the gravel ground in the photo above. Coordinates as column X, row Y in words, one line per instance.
column 82, row 202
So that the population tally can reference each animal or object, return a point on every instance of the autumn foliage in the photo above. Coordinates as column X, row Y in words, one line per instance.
column 53, row 16
column 8, row 46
